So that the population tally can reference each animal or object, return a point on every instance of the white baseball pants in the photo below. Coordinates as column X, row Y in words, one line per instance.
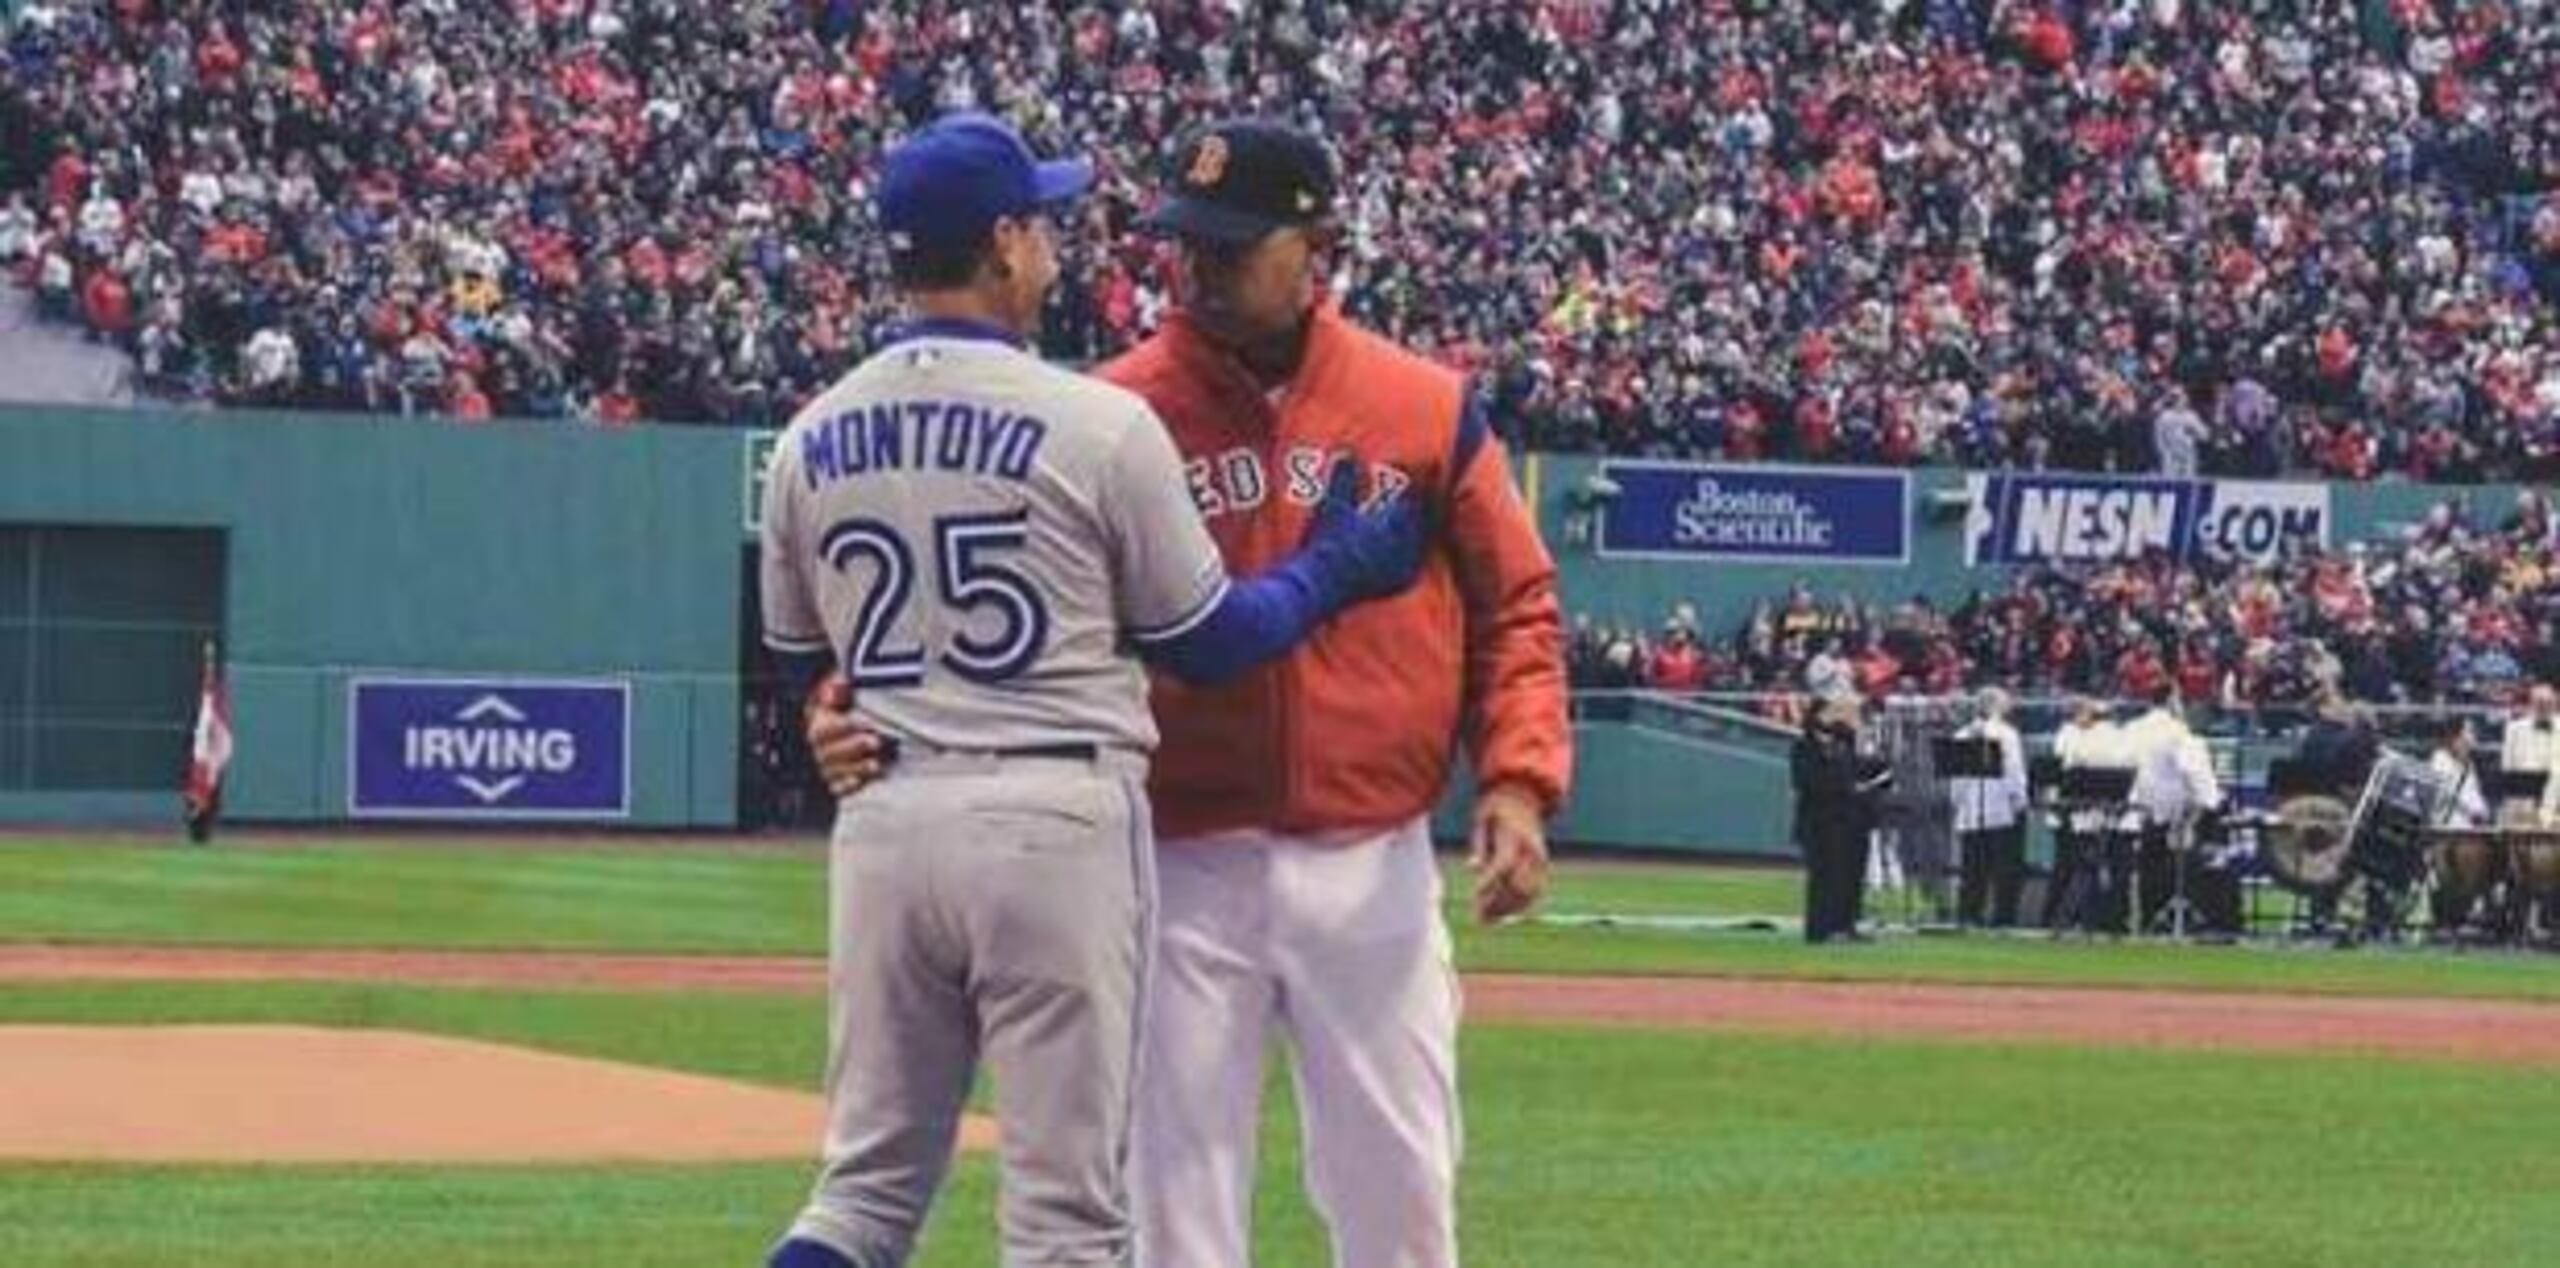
column 1337, row 943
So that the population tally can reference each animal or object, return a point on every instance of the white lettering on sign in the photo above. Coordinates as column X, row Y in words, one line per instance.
column 2070, row 523
column 2263, row 521
column 1714, row 516
column 463, row 748
column 489, row 749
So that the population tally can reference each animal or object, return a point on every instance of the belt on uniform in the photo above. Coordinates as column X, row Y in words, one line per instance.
column 1064, row 752
column 917, row 758
column 892, row 749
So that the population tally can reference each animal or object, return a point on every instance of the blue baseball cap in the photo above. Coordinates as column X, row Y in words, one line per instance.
column 948, row 184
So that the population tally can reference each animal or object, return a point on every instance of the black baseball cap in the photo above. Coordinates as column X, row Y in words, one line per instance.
column 1240, row 179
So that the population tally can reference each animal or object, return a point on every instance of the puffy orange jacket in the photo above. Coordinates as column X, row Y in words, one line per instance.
column 1357, row 727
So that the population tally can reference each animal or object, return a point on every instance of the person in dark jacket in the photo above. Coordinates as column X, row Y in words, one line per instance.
column 2340, row 748
column 2339, row 753
column 1834, row 815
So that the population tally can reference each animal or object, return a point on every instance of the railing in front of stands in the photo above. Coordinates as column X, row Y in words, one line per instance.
column 1781, row 712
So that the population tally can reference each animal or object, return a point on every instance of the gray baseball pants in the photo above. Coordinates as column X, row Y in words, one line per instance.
column 995, row 909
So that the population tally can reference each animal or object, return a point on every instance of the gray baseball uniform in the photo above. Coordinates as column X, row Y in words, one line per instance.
column 976, row 535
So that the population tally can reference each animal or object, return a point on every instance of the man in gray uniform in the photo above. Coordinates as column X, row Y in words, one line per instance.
column 979, row 541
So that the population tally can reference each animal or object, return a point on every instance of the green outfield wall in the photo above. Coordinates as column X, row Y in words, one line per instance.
column 321, row 549
column 375, row 545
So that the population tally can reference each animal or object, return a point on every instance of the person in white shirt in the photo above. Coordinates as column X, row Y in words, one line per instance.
column 1990, row 819
column 2527, row 745
column 2177, row 434
column 17, row 229
column 1828, row 673
column 55, row 276
column 101, row 222
column 2547, row 807
column 2459, row 889
column 2464, row 804
column 201, row 191
column 273, row 362
column 2084, row 869
column 2173, row 783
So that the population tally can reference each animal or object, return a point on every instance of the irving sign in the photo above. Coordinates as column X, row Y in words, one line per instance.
column 465, row 749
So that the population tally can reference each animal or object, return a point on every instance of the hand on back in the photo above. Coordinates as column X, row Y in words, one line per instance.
column 849, row 754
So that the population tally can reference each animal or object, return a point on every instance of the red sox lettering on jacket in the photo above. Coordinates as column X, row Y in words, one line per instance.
column 1357, row 728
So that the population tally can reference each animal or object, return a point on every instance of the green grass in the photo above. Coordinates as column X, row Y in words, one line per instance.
column 634, row 897
column 676, row 898
column 769, row 900
column 2305, row 969
column 771, row 1039
column 288, row 1217
column 1584, row 1148
column 1610, row 888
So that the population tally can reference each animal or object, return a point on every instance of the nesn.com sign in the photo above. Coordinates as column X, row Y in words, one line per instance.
column 488, row 749
column 2022, row 518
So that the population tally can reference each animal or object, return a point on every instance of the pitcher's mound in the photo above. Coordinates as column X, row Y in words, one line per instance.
column 305, row 1094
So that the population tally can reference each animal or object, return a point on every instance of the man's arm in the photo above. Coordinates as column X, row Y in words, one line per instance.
column 1801, row 767
column 1515, row 721
column 848, row 756
column 1516, row 727
column 2013, row 769
column 1350, row 554
column 794, row 631
column 2196, row 764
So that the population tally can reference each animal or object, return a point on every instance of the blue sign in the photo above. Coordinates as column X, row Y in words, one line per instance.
column 2039, row 517
column 1682, row 510
column 488, row 749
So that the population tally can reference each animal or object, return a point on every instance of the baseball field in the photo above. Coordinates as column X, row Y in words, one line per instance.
column 579, row 1052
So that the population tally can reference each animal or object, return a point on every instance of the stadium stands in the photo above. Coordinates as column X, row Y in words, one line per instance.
column 2258, row 237
column 2448, row 612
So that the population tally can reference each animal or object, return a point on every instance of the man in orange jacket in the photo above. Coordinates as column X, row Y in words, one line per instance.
column 1298, row 888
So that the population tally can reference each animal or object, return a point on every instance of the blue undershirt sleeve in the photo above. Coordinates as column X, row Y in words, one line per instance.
column 1247, row 623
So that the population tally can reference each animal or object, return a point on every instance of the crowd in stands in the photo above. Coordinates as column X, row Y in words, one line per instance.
column 2450, row 611
column 2245, row 237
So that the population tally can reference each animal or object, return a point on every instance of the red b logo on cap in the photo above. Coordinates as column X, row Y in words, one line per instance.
column 1209, row 166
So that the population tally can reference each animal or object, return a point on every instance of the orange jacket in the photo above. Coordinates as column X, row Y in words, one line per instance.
column 1357, row 727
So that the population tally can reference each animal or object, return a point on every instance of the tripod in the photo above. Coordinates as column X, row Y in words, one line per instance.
column 2178, row 842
